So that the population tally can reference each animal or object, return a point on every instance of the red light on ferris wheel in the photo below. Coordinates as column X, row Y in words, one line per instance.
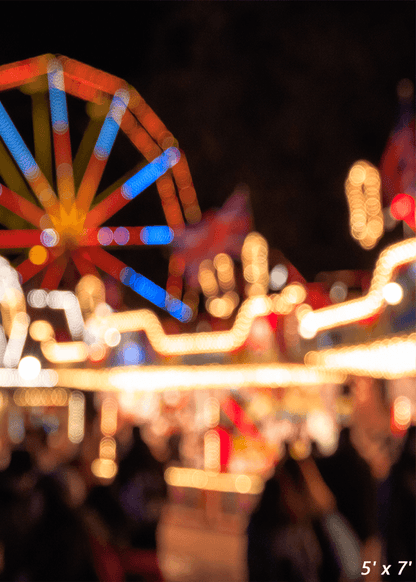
column 403, row 208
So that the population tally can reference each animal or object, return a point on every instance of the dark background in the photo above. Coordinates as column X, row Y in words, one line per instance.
column 283, row 96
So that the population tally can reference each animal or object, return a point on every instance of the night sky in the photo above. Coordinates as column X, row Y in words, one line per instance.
column 281, row 96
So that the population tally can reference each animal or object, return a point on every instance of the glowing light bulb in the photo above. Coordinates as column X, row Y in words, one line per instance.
column 392, row 293
column 29, row 368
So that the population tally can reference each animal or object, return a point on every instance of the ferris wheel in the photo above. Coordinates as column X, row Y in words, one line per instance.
column 58, row 197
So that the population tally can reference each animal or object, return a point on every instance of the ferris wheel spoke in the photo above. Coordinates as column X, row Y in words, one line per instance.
column 140, row 284
column 61, row 139
column 12, row 176
column 84, row 263
column 27, row 269
column 102, row 150
column 132, row 188
column 20, row 206
column 19, row 239
column 42, row 133
column 27, row 163
column 54, row 273
column 106, row 262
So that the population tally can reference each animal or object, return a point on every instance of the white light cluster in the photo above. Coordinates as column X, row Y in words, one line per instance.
column 76, row 417
column 385, row 358
column 11, row 378
column 68, row 301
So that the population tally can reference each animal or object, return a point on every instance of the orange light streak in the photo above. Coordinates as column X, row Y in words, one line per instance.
column 357, row 309
column 191, row 343
column 15, row 74
column 211, row 481
column 97, row 81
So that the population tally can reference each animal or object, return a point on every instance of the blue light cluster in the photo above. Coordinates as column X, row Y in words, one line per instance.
column 155, row 294
column 156, row 235
column 150, row 173
column 57, row 99
column 110, row 128
column 106, row 139
column 16, row 146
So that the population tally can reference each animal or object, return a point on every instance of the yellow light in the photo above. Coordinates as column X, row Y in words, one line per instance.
column 64, row 352
column 97, row 352
column 44, row 397
column 108, row 448
column 109, row 411
column 41, row 331
column 165, row 378
column 206, row 278
column 294, row 293
column 90, row 292
column 225, row 271
column 402, row 412
column 254, row 256
column 300, row 449
column 225, row 482
column 362, row 189
column 222, row 307
column 29, row 368
column 393, row 293
column 104, row 468
column 38, row 255
column 211, row 412
column 212, row 451
column 76, row 417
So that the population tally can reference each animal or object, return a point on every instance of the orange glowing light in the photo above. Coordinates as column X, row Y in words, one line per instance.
column 38, row 255
column 363, row 191
column 226, row 482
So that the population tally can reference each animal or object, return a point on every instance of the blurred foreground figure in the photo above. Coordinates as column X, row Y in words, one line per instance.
column 296, row 534
column 123, row 517
column 42, row 537
column 391, row 459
